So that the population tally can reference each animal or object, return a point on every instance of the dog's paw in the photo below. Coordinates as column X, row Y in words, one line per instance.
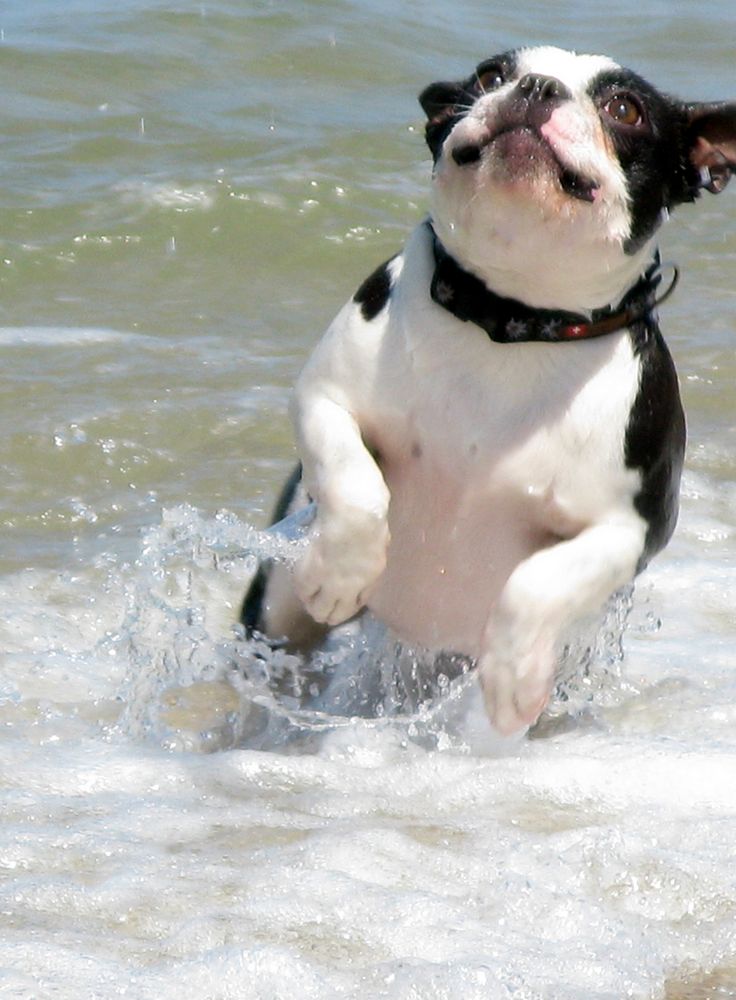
column 340, row 566
column 517, row 679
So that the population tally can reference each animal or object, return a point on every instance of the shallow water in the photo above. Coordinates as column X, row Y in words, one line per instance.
column 187, row 194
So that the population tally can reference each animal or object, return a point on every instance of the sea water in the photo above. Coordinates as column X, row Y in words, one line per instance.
column 188, row 192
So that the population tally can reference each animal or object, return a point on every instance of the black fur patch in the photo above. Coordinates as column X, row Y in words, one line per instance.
column 655, row 440
column 251, row 611
column 374, row 293
column 653, row 157
column 251, row 614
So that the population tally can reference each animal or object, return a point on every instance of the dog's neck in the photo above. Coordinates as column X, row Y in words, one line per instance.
column 508, row 321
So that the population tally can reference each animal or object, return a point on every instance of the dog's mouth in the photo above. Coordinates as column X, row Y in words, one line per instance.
column 522, row 148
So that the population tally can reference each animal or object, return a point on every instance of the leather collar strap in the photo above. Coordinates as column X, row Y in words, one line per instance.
column 508, row 321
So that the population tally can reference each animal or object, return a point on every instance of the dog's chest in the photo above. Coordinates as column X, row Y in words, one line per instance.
column 491, row 452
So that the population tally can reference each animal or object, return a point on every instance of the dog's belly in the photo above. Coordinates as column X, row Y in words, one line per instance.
column 496, row 458
column 451, row 552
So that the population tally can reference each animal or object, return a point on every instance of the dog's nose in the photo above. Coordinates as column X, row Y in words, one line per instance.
column 537, row 87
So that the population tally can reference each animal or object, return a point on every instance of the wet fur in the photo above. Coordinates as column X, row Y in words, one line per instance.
column 481, row 498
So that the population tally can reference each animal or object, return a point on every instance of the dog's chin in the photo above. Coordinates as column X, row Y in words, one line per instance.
column 522, row 158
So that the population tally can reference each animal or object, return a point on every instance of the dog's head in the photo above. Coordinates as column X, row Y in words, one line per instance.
column 554, row 170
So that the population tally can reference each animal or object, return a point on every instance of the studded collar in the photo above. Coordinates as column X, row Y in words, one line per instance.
column 508, row 321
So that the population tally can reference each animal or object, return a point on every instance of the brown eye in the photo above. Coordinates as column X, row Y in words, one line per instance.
column 490, row 78
column 624, row 110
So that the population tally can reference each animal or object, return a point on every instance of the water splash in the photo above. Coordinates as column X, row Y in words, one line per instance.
column 590, row 673
column 195, row 682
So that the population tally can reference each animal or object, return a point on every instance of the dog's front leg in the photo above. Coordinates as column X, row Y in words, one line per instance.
column 543, row 597
column 349, row 537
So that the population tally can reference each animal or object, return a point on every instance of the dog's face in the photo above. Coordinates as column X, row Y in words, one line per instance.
column 559, row 168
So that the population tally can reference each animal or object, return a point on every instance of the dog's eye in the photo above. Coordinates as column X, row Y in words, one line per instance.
column 490, row 77
column 624, row 110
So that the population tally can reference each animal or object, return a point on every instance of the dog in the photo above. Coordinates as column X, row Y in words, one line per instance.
column 491, row 428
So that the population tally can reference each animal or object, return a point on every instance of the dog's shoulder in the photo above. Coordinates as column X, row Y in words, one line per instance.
column 344, row 362
column 374, row 294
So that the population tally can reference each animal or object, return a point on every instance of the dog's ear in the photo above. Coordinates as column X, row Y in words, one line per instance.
column 711, row 140
column 440, row 101
column 440, row 98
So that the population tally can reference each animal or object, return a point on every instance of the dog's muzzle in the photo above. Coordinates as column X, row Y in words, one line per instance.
column 525, row 110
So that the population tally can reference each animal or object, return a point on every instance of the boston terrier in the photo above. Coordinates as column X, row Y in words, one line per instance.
column 491, row 428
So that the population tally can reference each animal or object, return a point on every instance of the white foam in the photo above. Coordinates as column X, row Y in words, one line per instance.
column 347, row 857
column 59, row 336
column 180, row 198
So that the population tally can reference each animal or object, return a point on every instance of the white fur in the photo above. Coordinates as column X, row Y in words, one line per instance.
column 576, row 70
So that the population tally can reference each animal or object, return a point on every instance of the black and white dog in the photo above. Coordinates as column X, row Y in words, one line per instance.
column 491, row 428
